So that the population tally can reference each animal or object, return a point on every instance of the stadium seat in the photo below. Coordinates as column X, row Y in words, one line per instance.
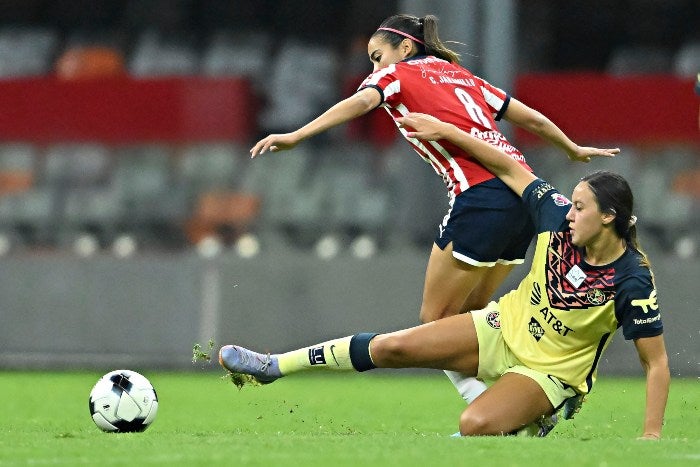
column 34, row 215
column 686, row 62
column 663, row 212
column 355, row 199
column 154, row 210
column 207, row 166
column 70, row 165
column 626, row 60
column 26, row 51
column 290, row 70
column 688, row 183
column 231, row 54
column 17, row 168
column 154, row 55
column 223, row 214
column 89, row 62
column 98, row 211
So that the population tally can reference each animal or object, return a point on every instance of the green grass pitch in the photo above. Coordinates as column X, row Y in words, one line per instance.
column 385, row 418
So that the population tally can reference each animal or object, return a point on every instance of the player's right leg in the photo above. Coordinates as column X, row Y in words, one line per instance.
column 448, row 284
column 511, row 403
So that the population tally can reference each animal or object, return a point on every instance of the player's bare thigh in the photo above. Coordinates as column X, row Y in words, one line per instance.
column 449, row 343
column 453, row 286
column 491, row 280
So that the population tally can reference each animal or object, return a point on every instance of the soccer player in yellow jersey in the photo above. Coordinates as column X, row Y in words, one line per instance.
column 539, row 345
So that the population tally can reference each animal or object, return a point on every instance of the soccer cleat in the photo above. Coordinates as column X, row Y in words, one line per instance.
column 572, row 406
column 546, row 424
column 540, row 428
column 263, row 367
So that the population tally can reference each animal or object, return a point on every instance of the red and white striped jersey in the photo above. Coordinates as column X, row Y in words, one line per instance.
column 453, row 94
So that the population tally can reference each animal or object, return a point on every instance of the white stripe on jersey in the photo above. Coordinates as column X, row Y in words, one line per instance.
column 492, row 99
column 379, row 74
column 393, row 88
column 438, row 166
column 456, row 169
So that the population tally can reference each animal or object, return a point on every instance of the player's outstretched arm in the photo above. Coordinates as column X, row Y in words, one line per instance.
column 652, row 355
column 427, row 127
column 354, row 106
column 535, row 122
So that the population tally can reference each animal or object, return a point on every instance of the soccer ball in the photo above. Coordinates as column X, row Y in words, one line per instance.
column 123, row 401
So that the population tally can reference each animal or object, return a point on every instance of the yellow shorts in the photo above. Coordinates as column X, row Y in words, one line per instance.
column 496, row 358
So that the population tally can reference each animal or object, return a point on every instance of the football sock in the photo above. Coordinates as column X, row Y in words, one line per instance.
column 469, row 388
column 346, row 353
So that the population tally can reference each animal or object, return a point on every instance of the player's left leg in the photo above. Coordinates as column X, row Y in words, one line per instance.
column 448, row 343
column 511, row 403
column 490, row 282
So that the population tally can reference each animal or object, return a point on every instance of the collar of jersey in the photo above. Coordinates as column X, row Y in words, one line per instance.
column 415, row 57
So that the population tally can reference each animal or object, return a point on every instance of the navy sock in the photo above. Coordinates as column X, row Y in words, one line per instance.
column 359, row 351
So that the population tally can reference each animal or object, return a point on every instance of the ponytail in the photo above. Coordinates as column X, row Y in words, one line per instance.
column 433, row 44
column 423, row 32
column 633, row 242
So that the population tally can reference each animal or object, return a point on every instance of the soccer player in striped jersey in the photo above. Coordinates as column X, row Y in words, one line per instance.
column 540, row 344
column 486, row 231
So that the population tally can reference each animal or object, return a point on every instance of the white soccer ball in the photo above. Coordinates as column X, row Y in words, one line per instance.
column 123, row 401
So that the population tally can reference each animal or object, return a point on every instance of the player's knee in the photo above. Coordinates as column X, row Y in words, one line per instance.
column 429, row 314
column 391, row 350
column 474, row 423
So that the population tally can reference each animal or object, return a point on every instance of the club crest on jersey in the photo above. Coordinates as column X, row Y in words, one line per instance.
column 560, row 200
column 494, row 319
column 595, row 296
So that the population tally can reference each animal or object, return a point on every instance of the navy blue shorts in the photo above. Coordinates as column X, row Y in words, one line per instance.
column 487, row 224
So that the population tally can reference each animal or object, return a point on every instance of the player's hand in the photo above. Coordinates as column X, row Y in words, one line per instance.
column 273, row 143
column 584, row 154
column 423, row 126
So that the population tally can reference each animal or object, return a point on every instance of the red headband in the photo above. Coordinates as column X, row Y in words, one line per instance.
column 401, row 33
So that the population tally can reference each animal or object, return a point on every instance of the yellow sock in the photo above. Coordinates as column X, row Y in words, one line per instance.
column 331, row 355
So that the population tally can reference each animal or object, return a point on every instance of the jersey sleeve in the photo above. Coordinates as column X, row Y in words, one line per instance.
column 496, row 98
column 547, row 206
column 386, row 82
column 636, row 307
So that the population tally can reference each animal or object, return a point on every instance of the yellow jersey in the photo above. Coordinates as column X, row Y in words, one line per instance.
column 564, row 313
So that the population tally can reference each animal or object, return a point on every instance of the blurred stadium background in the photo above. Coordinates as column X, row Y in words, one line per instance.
column 133, row 223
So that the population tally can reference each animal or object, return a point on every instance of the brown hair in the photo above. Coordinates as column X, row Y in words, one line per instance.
column 614, row 195
column 424, row 29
